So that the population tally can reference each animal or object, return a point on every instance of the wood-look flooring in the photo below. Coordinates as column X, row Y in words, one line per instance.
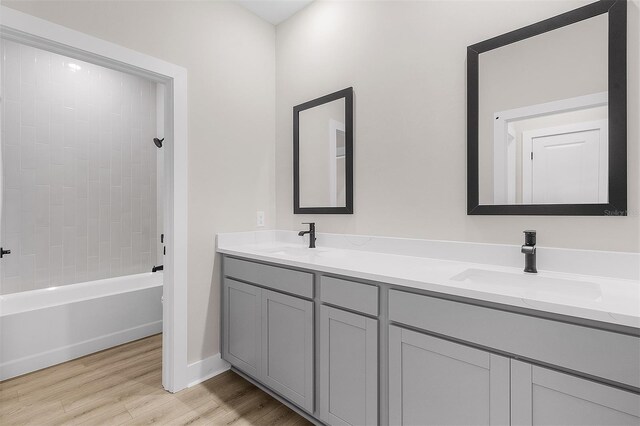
column 122, row 386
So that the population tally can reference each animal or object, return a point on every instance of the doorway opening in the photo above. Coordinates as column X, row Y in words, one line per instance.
column 112, row 174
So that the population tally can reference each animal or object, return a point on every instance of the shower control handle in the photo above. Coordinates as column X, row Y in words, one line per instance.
column 4, row 252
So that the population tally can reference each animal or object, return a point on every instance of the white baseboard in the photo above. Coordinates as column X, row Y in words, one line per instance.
column 55, row 356
column 206, row 368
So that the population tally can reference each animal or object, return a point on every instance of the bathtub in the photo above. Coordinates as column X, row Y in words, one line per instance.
column 41, row 328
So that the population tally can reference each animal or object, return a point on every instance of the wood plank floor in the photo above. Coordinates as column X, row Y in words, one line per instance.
column 122, row 386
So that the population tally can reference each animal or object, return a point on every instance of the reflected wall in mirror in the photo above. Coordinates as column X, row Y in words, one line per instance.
column 547, row 116
column 323, row 154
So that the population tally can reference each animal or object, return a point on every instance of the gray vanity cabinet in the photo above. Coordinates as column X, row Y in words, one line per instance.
column 348, row 368
column 269, row 336
column 242, row 333
column 287, row 347
column 545, row 397
column 378, row 357
column 436, row 382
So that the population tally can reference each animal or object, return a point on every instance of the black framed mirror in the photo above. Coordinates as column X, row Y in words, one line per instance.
column 547, row 116
column 323, row 155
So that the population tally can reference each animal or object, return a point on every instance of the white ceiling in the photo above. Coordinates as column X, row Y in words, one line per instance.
column 274, row 11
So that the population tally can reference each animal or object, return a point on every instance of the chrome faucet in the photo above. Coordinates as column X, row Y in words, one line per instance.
column 529, row 250
column 311, row 232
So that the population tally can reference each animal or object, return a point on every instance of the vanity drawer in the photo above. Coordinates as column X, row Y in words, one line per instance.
column 286, row 280
column 599, row 353
column 350, row 295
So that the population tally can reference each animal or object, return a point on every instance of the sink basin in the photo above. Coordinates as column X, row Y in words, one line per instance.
column 288, row 251
column 303, row 252
column 294, row 251
column 531, row 285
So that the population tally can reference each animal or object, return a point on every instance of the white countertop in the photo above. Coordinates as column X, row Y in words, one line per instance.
column 606, row 299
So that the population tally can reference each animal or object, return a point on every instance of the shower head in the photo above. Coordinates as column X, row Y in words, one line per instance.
column 158, row 142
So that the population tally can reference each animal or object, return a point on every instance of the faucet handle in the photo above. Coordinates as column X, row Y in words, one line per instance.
column 530, row 237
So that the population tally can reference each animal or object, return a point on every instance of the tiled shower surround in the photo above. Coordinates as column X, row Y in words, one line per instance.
column 79, row 171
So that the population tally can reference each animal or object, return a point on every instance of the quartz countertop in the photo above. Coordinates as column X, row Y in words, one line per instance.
column 605, row 299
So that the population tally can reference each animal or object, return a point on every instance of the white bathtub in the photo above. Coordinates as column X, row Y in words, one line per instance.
column 45, row 327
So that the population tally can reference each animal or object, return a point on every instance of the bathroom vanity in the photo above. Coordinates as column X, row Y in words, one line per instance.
column 364, row 331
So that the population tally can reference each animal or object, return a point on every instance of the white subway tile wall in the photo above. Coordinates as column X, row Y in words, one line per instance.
column 79, row 169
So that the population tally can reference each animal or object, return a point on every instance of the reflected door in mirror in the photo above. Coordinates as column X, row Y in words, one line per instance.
column 566, row 164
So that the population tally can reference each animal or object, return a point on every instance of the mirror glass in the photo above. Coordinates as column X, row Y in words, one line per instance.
column 322, row 155
column 543, row 118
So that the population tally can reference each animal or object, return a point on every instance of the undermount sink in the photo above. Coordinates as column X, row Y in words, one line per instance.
column 531, row 285
column 294, row 251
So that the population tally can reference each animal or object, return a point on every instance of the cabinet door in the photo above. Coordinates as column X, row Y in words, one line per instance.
column 287, row 347
column 242, row 329
column 437, row 382
column 348, row 368
column 545, row 397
